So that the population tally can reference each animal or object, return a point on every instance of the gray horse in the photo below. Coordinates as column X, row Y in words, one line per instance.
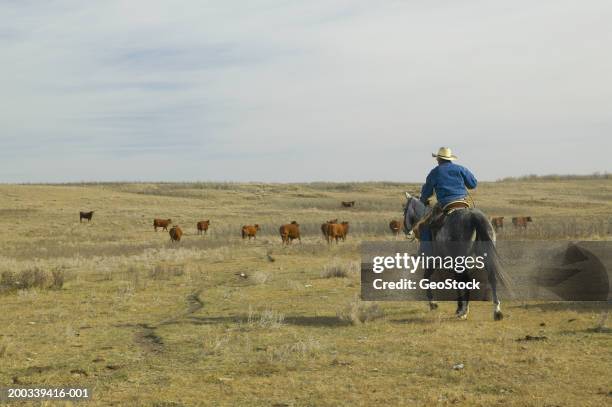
column 464, row 232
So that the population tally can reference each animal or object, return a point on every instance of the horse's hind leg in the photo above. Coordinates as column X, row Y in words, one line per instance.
column 463, row 297
column 497, row 313
column 432, row 304
column 459, row 303
column 463, row 306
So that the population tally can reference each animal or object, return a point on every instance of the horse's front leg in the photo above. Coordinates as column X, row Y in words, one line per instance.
column 427, row 275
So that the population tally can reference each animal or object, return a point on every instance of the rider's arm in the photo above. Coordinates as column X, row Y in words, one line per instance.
column 468, row 178
column 428, row 188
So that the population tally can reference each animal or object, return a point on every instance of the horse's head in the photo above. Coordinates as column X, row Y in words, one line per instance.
column 413, row 211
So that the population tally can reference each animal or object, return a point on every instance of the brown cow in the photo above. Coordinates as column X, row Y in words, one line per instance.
column 161, row 223
column 345, row 228
column 497, row 222
column 521, row 221
column 324, row 227
column 202, row 226
column 175, row 233
column 85, row 215
column 250, row 231
column 396, row 227
column 348, row 204
column 289, row 232
column 337, row 231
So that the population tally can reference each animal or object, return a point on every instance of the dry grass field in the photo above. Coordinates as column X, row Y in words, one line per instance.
column 114, row 306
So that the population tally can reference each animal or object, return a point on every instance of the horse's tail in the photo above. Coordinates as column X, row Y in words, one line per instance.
column 485, row 243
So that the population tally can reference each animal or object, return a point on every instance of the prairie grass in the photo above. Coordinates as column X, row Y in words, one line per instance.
column 340, row 269
column 357, row 312
column 30, row 278
column 165, row 271
column 119, row 302
column 261, row 277
column 265, row 319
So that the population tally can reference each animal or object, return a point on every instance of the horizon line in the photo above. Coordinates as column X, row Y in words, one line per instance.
column 549, row 177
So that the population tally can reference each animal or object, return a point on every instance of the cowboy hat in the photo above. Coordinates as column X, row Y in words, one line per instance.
column 444, row 153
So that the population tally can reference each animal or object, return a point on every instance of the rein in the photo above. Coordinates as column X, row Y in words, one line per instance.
column 471, row 198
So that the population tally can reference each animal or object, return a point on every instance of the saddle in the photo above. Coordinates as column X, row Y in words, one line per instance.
column 437, row 216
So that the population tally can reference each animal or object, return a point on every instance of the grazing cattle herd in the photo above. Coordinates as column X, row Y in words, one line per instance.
column 332, row 230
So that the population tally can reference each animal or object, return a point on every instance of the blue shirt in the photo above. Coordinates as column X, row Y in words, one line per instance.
column 449, row 181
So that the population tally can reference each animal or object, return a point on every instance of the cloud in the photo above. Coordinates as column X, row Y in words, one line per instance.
column 296, row 91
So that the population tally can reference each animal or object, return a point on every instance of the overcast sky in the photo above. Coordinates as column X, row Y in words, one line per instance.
column 311, row 90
